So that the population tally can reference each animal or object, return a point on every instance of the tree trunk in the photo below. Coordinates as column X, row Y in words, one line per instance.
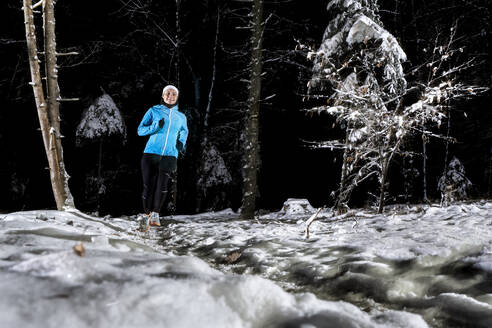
column 384, row 174
column 489, row 189
column 342, row 199
column 99, row 163
column 204, row 145
column 196, row 83
column 48, row 108
column 405, row 179
column 448, row 133
column 387, row 158
column 424, row 165
column 178, row 41
column 174, row 182
column 252, row 147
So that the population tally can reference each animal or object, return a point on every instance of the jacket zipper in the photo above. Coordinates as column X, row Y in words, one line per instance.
column 168, row 129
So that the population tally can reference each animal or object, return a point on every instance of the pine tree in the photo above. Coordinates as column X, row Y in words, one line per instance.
column 357, row 69
column 102, row 119
column 453, row 183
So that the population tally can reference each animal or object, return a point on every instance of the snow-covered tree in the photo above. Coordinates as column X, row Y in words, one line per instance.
column 453, row 184
column 101, row 120
column 215, row 179
column 358, row 70
column 356, row 26
column 215, row 170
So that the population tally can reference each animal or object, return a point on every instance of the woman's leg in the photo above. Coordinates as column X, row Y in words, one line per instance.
column 160, row 190
column 150, row 171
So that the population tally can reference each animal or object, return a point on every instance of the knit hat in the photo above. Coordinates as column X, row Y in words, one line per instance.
column 170, row 87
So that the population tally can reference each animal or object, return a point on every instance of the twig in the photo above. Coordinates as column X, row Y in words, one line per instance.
column 72, row 53
column 356, row 223
column 37, row 4
column 310, row 220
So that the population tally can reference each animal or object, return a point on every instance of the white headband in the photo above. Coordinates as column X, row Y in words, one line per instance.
column 172, row 87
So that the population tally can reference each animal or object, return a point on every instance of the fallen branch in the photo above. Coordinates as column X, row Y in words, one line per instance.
column 338, row 218
column 310, row 220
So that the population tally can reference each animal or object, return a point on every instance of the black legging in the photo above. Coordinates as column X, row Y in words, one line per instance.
column 155, row 183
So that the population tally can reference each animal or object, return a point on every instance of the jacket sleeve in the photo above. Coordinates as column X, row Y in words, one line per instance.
column 183, row 133
column 148, row 124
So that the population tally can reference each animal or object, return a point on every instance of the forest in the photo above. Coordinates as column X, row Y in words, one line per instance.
column 334, row 163
column 346, row 119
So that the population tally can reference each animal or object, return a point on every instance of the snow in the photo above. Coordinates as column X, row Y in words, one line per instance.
column 345, row 3
column 349, row 84
column 101, row 119
column 331, row 45
column 408, row 258
column 365, row 28
column 359, row 269
column 294, row 206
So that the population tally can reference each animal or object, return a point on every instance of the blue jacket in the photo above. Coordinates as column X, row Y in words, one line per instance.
column 163, row 140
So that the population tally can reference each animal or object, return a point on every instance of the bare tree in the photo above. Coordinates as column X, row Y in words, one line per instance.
column 48, row 107
column 252, row 123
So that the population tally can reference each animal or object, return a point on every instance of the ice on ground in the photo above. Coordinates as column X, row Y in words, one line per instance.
column 129, row 279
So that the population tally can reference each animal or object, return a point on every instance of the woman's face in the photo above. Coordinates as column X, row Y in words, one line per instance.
column 170, row 97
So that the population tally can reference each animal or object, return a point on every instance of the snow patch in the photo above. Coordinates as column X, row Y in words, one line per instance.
column 365, row 28
column 293, row 206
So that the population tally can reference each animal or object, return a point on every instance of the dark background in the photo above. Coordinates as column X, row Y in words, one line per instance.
column 124, row 51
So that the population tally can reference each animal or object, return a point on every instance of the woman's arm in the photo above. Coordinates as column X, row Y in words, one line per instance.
column 148, row 124
column 183, row 136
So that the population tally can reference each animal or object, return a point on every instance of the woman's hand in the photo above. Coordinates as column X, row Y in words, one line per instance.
column 179, row 147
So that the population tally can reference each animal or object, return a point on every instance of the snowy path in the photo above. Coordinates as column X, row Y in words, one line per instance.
column 433, row 261
column 436, row 263
column 126, row 280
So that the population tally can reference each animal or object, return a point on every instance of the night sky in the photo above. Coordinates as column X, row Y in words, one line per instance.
column 126, row 51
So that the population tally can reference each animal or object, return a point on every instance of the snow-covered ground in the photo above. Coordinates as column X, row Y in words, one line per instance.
column 412, row 267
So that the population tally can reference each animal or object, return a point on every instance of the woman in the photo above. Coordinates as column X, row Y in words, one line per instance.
column 168, row 131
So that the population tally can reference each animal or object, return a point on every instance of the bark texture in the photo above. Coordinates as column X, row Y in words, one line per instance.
column 48, row 107
column 252, row 124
